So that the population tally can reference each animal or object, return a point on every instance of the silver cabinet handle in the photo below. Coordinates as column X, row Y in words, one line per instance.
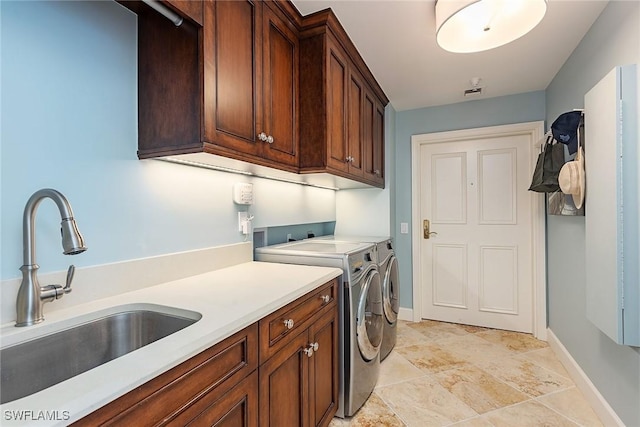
column 265, row 138
column 377, row 171
column 311, row 349
column 288, row 323
column 325, row 298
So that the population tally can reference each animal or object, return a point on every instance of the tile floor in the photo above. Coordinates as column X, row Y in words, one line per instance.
column 443, row 374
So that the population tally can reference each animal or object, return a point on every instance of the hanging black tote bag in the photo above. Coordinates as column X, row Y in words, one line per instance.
column 550, row 161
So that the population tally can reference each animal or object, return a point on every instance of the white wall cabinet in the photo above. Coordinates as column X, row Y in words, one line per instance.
column 612, row 216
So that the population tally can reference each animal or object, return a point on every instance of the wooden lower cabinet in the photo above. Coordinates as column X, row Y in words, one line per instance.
column 299, row 384
column 249, row 379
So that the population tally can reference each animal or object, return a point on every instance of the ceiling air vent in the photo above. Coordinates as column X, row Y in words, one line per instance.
column 473, row 92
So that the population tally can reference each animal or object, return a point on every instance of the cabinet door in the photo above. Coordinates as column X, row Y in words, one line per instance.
column 232, row 47
column 280, row 88
column 336, row 88
column 237, row 408
column 373, row 139
column 284, row 386
column 368, row 118
column 355, row 111
column 323, row 369
column 378, row 143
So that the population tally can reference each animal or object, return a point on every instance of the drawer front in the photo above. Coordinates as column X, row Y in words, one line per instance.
column 212, row 372
column 277, row 329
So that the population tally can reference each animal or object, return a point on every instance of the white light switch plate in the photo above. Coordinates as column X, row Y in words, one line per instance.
column 404, row 228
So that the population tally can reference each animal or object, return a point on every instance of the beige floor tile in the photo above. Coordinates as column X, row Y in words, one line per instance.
column 479, row 390
column 546, row 358
column 437, row 330
column 473, row 422
column 513, row 341
column 423, row 402
column 526, row 376
column 572, row 404
column 405, row 335
column 472, row 329
column 527, row 414
column 474, row 349
column 395, row 368
column 374, row 413
column 431, row 358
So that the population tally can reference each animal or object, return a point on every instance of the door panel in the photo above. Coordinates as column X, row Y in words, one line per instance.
column 354, row 126
column 336, row 105
column 284, row 386
column 450, row 275
column 232, row 87
column 323, row 374
column 449, row 182
column 499, row 279
column 477, row 268
column 280, row 89
column 496, row 189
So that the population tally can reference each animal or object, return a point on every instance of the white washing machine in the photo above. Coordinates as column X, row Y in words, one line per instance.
column 388, row 268
column 360, row 310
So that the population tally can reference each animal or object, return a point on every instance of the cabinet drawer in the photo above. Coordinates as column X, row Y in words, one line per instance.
column 279, row 327
column 212, row 372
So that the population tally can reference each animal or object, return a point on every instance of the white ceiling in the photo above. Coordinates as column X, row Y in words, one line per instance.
column 397, row 40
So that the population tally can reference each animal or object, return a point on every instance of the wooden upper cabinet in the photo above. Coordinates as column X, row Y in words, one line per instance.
column 355, row 128
column 339, row 105
column 337, row 90
column 281, row 61
column 229, row 87
column 251, row 59
column 373, row 139
column 232, row 80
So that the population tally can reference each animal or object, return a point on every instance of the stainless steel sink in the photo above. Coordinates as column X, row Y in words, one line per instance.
column 31, row 366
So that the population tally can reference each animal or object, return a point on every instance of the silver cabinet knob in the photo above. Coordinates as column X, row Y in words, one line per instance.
column 262, row 136
column 315, row 346
column 377, row 171
column 269, row 139
column 325, row 298
column 288, row 323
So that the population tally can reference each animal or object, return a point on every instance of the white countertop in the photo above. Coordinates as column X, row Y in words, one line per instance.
column 228, row 300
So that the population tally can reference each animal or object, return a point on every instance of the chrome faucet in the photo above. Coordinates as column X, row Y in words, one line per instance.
column 32, row 296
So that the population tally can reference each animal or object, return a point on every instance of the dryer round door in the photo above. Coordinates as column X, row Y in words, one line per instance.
column 391, row 291
column 369, row 324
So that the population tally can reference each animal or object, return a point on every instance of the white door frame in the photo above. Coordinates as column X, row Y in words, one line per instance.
column 535, row 131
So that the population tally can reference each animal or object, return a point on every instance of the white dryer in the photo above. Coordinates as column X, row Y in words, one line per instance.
column 388, row 268
column 360, row 310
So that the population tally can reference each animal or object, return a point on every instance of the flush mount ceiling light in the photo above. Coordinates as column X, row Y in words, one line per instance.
column 465, row 26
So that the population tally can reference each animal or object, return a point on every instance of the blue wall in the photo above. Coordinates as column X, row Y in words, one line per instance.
column 526, row 107
column 69, row 121
column 614, row 39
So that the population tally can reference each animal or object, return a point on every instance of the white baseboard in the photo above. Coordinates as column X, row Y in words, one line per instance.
column 406, row 314
column 600, row 406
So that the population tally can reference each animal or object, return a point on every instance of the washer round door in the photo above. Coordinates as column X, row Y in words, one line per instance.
column 369, row 324
column 391, row 291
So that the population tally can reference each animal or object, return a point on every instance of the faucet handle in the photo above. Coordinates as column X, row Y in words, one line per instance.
column 70, row 272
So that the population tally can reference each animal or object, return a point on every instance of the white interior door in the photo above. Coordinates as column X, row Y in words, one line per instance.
column 478, row 268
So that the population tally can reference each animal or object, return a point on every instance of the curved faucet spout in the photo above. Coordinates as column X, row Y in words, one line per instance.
column 31, row 296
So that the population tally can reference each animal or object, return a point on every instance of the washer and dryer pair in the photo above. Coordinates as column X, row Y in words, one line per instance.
column 388, row 268
column 362, row 319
